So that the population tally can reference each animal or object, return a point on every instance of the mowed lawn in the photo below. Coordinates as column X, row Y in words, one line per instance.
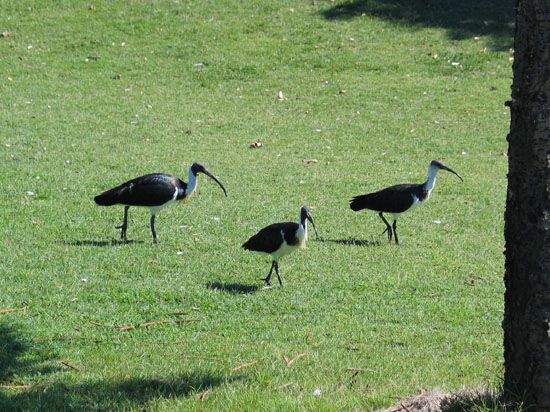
column 346, row 98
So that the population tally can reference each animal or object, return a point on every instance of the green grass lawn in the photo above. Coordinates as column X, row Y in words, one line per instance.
column 94, row 93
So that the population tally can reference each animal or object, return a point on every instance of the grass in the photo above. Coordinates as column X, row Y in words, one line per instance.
column 95, row 93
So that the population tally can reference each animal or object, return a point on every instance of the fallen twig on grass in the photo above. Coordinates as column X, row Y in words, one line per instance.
column 143, row 324
column 155, row 323
column 405, row 408
column 68, row 365
column 290, row 362
column 10, row 310
column 359, row 370
column 65, row 339
column 245, row 365
column 15, row 386
column 211, row 358
column 108, row 325
column 284, row 385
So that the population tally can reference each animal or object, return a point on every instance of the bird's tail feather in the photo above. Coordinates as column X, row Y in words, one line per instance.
column 108, row 198
column 359, row 202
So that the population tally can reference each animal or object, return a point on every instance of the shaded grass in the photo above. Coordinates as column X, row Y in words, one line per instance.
column 371, row 100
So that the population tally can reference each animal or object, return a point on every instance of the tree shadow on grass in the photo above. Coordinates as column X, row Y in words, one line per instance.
column 354, row 242
column 461, row 19
column 233, row 288
column 12, row 362
column 133, row 393
column 102, row 243
column 21, row 365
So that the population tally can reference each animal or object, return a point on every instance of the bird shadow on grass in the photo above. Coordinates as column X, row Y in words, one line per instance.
column 102, row 243
column 23, row 365
column 354, row 242
column 233, row 288
column 461, row 19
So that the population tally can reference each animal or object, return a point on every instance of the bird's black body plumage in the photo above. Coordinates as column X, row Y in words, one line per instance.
column 271, row 237
column 393, row 199
column 150, row 190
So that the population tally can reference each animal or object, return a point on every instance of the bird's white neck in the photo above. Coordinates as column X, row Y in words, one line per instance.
column 303, row 228
column 430, row 183
column 192, row 183
column 301, row 234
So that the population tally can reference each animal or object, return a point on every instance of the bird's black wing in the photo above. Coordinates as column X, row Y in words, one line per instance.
column 393, row 199
column 149, row 190
column 270, row 238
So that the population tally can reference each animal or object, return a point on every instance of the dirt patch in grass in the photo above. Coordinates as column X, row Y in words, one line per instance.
column 438, row 401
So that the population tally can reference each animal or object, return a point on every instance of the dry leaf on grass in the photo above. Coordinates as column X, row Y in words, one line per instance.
column 204, row 394
column 257, row 144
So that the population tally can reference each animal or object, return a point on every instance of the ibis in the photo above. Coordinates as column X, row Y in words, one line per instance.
column 280, row 239
column 155, row 191
column 399, row 199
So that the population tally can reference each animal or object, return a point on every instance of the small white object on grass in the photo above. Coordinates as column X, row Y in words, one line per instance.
column 317, row 392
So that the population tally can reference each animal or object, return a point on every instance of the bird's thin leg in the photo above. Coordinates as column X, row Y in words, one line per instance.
column 388, row 226
column 267, row 282
column 153, row 228
column 277, row 272
column 395, row 231
column 124, row 225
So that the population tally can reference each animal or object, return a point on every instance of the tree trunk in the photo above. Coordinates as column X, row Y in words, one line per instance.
column 527, row 218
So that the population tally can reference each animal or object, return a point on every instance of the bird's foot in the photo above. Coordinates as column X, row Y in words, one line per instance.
column 122, row 229
column 389, row 231
column 267, row 283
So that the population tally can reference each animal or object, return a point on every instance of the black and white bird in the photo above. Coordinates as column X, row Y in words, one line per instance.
column 280, row 239
column 399, row 199
column 155, row 191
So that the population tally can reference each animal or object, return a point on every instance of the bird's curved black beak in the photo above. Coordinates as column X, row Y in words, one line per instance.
column 448, row 169
column 310, row 218
column 210, row 175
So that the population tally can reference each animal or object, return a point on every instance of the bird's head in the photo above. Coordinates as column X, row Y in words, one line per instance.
column 439, row 165
column 305, row 213
column 200, row 168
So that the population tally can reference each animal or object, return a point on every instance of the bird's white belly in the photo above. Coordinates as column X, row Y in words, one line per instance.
column 284, row 250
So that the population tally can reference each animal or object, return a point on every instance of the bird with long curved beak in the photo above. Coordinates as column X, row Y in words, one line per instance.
column 401, row 198
column 155, row 191
column 280, row 239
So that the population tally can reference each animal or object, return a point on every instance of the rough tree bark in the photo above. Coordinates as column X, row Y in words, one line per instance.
column 527, row 218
